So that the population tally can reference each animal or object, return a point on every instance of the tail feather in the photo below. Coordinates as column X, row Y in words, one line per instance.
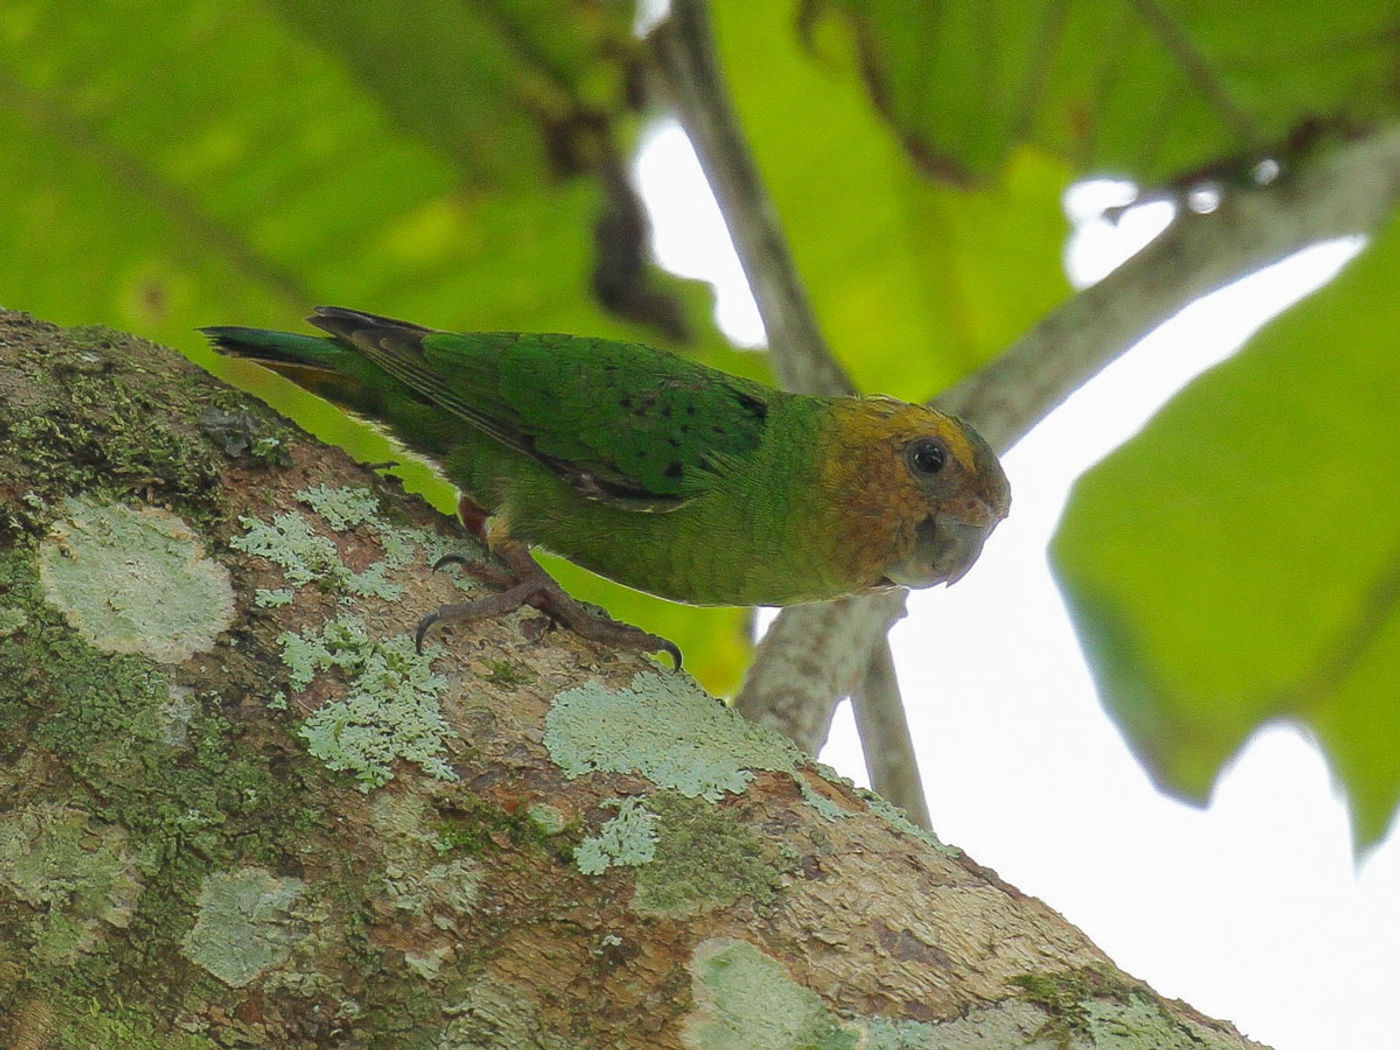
column 263, row 344
column 320, row 364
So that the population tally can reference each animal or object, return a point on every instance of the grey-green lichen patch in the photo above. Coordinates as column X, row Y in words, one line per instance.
column 291, row 542
column 305, row 556
column 342, row 506
column 400, row 822
column 1012, row 1024
column 79, row 875
column 347, row 507
column 629, row 840
column 547, row 818
column 705, row 859
column 1142, row 1022
column 452, row 885
column 134, row 581
column 245, row 924
column 373, row 583
column 455, row 884
column 828, row 808
column 884, row 1034
column 176, row 715
column 162, row 761
column 413, row 879
column 1098, row 1007
column 266, row 598
column 390, row 709
column 428, row 963
column 667, row 729
column 745, row 1000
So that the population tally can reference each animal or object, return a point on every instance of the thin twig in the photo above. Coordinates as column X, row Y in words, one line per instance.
column 1347, row 191
column 884, row 735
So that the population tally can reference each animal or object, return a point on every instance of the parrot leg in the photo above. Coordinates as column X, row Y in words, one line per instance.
column 528, row 584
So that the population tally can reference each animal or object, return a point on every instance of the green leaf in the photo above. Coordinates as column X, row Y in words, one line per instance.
column 1239, row 561
column 1148, row 90
column 915, row 283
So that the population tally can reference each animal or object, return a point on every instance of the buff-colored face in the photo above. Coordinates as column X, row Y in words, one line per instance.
column 926, row 492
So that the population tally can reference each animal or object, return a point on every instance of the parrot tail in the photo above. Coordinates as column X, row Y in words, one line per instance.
column 322, row 365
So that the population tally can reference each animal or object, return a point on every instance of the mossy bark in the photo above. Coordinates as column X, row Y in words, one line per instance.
column 237, row 808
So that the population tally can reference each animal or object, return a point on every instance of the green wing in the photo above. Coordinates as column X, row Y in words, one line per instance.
column 620, row 422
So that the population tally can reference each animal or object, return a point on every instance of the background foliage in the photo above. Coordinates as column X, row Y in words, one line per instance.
column 186, row 162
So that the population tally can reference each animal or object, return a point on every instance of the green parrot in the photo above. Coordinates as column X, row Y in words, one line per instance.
column 655, row 471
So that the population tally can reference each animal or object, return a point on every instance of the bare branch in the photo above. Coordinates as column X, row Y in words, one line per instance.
column 812, row 656
column 1345, row 192
column 685, row 55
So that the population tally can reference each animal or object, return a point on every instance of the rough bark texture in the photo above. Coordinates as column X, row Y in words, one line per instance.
column 237, row 810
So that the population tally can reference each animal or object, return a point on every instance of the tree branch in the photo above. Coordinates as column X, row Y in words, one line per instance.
column 1346, row 191
column 821, row 653
column 685, row 55
column 683, row 46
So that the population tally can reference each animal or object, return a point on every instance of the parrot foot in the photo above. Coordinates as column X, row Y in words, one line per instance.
column 531, row 585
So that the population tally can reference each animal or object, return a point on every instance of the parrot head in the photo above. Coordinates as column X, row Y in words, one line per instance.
column 925, row 492
column 965, row 505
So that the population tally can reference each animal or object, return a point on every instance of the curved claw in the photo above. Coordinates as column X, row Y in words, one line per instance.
column 599, row 628
column 672, row 650
column 484, row 608
column 422, row 629
column 488, row 574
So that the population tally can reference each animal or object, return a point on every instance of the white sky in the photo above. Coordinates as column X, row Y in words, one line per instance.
column 1250, row 909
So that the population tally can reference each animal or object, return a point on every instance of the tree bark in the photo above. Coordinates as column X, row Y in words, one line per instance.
column 237, row 809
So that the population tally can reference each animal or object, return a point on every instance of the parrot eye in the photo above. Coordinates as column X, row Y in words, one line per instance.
column 926, row 456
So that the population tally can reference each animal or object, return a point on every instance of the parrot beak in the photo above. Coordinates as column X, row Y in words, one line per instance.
column 943, row 552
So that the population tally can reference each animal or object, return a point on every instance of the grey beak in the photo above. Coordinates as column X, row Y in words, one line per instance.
column 943, row 552
column 956, row 546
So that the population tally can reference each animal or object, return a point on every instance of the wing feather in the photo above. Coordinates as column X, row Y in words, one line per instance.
column 620, row 422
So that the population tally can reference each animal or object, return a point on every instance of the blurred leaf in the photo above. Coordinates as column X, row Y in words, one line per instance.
column 190, row 162
column 1148, row 90
column 915, row 284
column 1239, row 561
